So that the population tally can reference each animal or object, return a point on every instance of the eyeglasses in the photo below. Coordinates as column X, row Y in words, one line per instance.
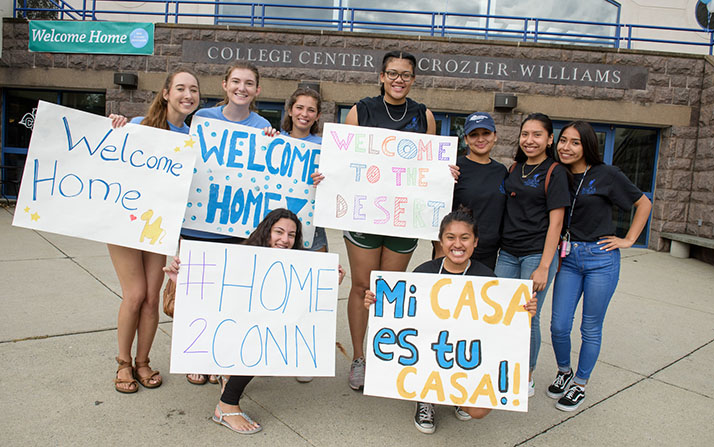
column 392, row 75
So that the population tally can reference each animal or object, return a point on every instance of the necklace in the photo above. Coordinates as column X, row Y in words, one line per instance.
column 462, row 274
column 406, row 107
column 523, row 168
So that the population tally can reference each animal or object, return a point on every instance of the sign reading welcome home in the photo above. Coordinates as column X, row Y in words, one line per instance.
column 428, row 64
column 91, row 37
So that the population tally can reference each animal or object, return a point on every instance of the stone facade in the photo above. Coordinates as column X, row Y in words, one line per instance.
column 678, row 98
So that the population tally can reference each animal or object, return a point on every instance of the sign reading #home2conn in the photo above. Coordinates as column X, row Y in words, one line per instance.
column 92, row 37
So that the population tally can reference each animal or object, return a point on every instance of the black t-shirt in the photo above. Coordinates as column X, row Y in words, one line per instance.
column 480, row 188
column 525, row 223
column 475, row 269
column 372, row 112
column 603, row 187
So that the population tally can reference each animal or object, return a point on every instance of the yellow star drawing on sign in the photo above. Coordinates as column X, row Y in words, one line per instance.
column 34, row 216
column 177, row 149
column 27, row 209
column 189, row 143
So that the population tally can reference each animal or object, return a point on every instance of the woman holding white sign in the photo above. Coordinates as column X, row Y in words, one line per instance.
column 139, row 272
column 367, row 252
column 458, row 238
column 241, row 86
column 282, row 229
column 302, row 111
column 536, row 197
column 591, row 256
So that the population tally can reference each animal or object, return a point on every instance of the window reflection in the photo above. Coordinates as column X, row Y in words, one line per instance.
column 365, row 21
column 634, row 154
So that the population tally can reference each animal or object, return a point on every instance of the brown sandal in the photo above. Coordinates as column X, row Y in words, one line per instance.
column 202, row 379
column 123, row 364
column 146, row 380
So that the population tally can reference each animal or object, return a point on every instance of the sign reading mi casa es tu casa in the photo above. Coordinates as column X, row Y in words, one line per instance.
column 91, row 37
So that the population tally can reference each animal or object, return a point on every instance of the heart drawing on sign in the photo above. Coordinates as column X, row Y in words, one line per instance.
column 132, row 217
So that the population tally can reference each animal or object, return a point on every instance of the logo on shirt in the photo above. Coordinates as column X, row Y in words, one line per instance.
column 590, row 189
column 413, row 125
column 533, row 181
column 502, row 188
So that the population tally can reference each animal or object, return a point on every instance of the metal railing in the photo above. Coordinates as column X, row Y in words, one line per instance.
column 431, row 23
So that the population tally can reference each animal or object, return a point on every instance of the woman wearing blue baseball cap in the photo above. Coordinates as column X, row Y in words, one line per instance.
column 480, row 186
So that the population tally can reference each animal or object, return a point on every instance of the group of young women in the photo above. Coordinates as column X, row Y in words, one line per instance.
column 505, row 222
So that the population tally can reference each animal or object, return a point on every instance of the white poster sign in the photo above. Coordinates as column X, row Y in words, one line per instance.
column 241, row 175
column 125, row 186
column 243, row 310
column 449, row 339
column 385, row 182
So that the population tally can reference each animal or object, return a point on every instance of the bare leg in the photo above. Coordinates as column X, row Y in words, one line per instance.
column 129, row 267
column 394, row 262
column 362, row 262
column 149, row 313
column 477, row 413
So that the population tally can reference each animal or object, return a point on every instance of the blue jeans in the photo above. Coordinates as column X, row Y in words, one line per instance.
column 593, row 274
column 522, row 267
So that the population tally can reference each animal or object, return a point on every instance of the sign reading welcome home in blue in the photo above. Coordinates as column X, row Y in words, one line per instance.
column 91, row 37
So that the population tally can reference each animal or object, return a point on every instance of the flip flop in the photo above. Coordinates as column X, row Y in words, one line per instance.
column 221, row 421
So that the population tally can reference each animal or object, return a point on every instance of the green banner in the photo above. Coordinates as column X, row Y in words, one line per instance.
column 91, row 37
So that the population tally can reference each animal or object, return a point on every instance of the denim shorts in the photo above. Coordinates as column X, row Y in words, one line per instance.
column 319, row 240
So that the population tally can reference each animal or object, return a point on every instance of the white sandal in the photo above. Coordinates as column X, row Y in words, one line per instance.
column 221, row 421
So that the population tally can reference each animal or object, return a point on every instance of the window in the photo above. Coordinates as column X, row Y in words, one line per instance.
column 18, row 117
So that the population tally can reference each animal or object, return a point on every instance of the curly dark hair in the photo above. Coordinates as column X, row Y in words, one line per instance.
column 460, row 214
column 261, row 235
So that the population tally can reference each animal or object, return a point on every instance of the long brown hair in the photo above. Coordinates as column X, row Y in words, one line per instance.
column 246, row 66
column 547, row 124
column 287, row 124
column 260, row 237
column 158, row 110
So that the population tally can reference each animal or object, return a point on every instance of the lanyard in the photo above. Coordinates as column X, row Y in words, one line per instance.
column 572, row 206
column 463, row 273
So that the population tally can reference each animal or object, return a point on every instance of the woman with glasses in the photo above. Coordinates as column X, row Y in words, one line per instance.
column 392, row 109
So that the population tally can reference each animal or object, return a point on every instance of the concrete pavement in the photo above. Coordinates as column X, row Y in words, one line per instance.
column 653, row 384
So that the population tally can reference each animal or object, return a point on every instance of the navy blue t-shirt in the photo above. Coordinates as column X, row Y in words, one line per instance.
column 525, row 223
column 603, row 187
column 480, row 188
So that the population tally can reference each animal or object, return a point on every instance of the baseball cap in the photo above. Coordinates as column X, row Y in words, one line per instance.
column 479, row 120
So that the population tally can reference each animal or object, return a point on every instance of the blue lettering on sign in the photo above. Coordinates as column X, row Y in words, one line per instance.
column 72, row 186
column 293, row 161
column 135, row 157
column 242, row 207
column 393, row 295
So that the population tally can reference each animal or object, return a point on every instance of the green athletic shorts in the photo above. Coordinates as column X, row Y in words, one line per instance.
column 369, row 241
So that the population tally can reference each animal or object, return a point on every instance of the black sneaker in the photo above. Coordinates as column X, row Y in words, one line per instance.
column 572, row 399
column 560, row 384
column 424, row 418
